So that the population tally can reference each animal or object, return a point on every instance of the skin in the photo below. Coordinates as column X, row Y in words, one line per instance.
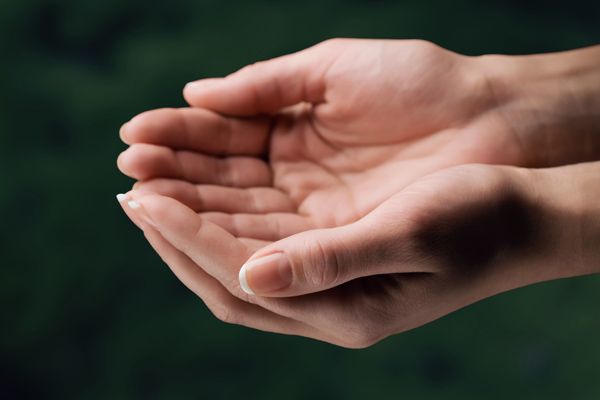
column 340, row 157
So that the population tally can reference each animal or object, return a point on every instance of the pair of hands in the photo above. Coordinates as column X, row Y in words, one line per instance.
column 353, row 181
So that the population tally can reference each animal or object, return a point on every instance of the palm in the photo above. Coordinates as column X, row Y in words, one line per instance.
column 340, row 159
column 334, row 183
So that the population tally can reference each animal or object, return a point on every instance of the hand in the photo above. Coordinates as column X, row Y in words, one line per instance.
column 318, row 138
column 306, row 147
column 321, row 137
column 446, row 241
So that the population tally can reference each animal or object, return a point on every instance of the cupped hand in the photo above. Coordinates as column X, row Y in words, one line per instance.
column 318, row 138
column 443, row 242
column 318, row 162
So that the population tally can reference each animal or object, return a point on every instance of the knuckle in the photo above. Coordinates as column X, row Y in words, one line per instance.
column 236, row 290
column 323, row 268
column 252, row 199
column 274, row 226
column 197, row 236
column 259, row 64
column 244, row 70
column 222, row 172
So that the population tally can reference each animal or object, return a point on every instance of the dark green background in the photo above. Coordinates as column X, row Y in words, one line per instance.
column 89, row 311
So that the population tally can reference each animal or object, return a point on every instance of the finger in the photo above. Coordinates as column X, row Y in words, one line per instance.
column 200, row 130
column 272, row 226
column 335, row 322
column 218, row 300
column 267, row 86
column 146, row 161
column 208, row 245
column 319, row 259
column 259, row 200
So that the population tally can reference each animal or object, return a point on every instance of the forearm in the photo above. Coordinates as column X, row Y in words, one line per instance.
column 551, row 102
column 571, row 195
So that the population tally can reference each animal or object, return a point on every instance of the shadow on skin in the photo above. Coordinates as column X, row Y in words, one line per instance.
column 471, row 238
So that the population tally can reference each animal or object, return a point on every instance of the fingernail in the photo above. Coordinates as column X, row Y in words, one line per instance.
column 266, row 274
column 140, row 212
column 121, row 197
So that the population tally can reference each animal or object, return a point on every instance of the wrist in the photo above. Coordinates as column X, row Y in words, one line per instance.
column 557, row 226
column 550, row 101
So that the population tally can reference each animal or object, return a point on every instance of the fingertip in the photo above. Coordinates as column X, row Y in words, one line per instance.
column 189, row 93
column 135, row 209
column 121, row 197
column 123, row 133
column 126, row 162
column 133, row 130
column 188, row 89
column 242, row 276
column 148, row 126
column 196, row 92
column 266, row 276
column 187, row 96
column 131, row 206
column 122, row 163
column 143, row 161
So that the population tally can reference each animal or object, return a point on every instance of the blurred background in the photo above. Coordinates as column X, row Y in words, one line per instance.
column 88, row 311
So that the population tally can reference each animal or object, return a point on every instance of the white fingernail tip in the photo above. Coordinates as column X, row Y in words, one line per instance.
column 121, row 197
column 244, row 281
column 133, row 204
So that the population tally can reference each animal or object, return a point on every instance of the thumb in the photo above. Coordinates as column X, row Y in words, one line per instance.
column 266, row 86
column 320, row 259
